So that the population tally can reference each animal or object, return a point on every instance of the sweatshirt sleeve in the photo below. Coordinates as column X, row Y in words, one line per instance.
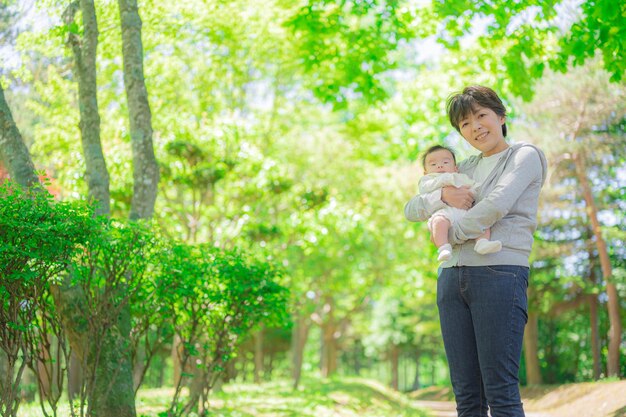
column 422, row 206
column 522, row 169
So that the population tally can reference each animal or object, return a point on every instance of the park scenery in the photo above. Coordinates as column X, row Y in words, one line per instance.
column 202, row 203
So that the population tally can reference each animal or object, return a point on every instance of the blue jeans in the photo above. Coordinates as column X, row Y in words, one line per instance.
column 483, row 311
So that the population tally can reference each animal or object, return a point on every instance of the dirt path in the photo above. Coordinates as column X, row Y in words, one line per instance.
column 448, row 409
column 438, row 408
column 591, row 399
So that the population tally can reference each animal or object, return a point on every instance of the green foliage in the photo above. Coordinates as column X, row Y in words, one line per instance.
column 518, row 46
column 345, row 46
column 584, row 118
column 199, row 281
column 601, row 29
column 526, row 36
column 113, row 270
column 93, row 299
column 217, row 297
column 38, row 238
column 38, row 234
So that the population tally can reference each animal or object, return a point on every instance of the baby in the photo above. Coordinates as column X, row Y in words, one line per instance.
column 440, row 171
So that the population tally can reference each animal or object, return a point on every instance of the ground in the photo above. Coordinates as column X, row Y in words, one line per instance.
column 355, row 397
column 597, row 399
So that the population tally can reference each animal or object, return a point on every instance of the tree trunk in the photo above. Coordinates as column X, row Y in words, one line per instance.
column 329, row 340
column 85, row 71
column 231, row 370
column 46, row 369
column 300, row 333
column 4, row 363
column 357, row 349
column 113, row 393
column 107, row 362
column 615, row 330
column 161, row 374
column 258, row 355
column 27, row 393
column 75, row 374
column 177, row 350
column 110, row 389
column 433, row 373
column 16, row 157
column 394, row 358
column 145, row 168
column 593, row 322
column 531, row 347
column 145, row 177
column 595, row 337
column 139, row 365
column 13, row 151
column 416, row 380
column 269, row 367
column 195, row 385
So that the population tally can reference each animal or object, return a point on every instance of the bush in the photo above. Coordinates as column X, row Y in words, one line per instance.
column 38, row 238
column 216, row 298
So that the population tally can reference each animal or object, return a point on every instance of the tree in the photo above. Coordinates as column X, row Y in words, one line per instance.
column 38, row 237
column 85, row 52
column 215, row 298
column 13, row 151
column 145, row 168
column 346, row 46
column 106, row 276
column 112, row 396
column 601, row 29
column 84, row 48
column 582, row 119
column 109, row 392
column 525, row 36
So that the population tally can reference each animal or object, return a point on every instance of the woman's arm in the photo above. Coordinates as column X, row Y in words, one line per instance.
column 522, row 169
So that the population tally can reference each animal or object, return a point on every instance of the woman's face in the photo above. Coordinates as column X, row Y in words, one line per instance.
column 483, row 130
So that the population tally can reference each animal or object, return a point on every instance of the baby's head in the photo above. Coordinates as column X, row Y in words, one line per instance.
column 439, row 159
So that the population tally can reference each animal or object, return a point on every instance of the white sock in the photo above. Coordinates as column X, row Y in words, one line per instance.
column 484, row 246
column 445, row 252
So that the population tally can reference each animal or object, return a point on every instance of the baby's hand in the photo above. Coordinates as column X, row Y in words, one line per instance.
column 459, row 197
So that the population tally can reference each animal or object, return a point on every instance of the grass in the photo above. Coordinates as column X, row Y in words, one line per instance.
column 341, row 397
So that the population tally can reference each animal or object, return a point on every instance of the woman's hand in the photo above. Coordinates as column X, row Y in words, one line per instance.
column 459, row 197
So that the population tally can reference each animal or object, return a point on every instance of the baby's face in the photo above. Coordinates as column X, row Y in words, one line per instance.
column 439, row 161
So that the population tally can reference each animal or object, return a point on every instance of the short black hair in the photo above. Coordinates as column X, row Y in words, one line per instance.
column 461, row 104
column 436, row 148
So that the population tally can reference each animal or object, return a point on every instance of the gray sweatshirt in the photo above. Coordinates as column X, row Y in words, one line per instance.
column 506, row 202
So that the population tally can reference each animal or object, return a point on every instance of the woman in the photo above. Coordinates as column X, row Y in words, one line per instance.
column 482, row 298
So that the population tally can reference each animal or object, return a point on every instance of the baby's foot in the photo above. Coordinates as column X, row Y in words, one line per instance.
column 484, row 246
column 445, row 252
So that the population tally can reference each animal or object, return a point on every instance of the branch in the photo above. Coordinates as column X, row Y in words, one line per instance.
column 72, row 38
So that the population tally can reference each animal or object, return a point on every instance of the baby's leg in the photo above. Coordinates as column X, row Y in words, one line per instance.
column 484, row 245
column 439, row 228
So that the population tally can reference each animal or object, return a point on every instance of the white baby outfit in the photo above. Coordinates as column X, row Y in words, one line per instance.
column 431, row 182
